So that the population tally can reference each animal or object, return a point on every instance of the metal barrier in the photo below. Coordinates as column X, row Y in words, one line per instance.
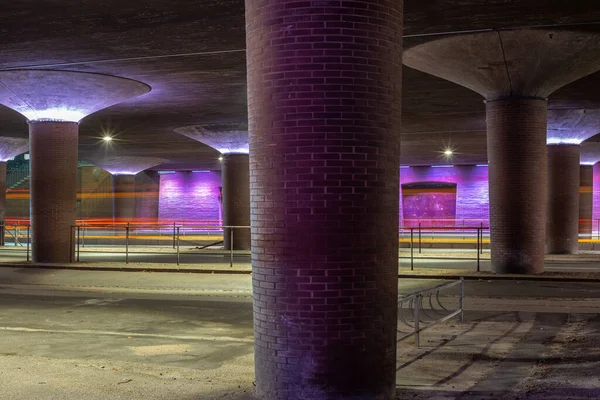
column 478, row 229
column 81, row 231
column 419, row 313
column 15, row 231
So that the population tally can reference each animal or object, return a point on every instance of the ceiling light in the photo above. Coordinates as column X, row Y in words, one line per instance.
column 107, row 138
column 448, row 153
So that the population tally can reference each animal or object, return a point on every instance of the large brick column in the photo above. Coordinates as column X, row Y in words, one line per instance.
column 516, row 135
column 324, row 90
column 2, row 199
column 53, row 148
column 563, row 199
column 236, row 200
column 124, row 198
column 586, row 200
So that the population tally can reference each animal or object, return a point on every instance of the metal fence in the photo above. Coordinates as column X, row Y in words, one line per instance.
column 126, row 238
column 424, row 318
column 416, row 238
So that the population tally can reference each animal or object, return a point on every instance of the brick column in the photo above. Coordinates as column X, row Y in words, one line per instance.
column 586, row 197
column 2, row 199
column 236, row 200
column 324, row 90
column 563, row 199
column 53, row 148
column 123, row 198
column 516, row 137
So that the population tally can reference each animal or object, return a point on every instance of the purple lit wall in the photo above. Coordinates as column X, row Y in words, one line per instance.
column 437, row 203
column 190, row 196
column 472, row 198
column 596, row 199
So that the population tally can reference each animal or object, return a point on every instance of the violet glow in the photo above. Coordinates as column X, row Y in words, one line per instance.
column 117, row 173
column 58, row 114
column 568, row 141
column 187, row 196
column 472, row 191
column 64, row 96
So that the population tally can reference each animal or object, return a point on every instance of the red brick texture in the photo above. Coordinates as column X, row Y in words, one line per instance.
column 586, row 198
column 53, row 148
column 124, row 198
column 236, row 200
column 324, row 90
column 517, row 159
column 562, row 225
column 2, row 199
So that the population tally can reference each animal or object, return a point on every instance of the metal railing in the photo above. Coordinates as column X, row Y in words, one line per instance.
column 421, row 319
column 420, row 230
column 181, row 235
column 15, row 231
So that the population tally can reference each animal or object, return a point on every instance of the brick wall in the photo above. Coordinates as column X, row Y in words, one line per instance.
column 190, row 196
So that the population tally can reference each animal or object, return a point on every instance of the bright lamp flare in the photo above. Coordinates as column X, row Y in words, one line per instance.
column 107, row 138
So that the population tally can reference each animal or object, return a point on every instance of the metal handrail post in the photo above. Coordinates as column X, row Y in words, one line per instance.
column 83, row 235
column 127, row 244
column 417, row 302
column 412, row 266
column 174, row 235
column 28, row 236
column 481, row 247
column 16, row 235
column 460, row 299
column 71, row 244
column 178, row 245
column 419, row 238
column 78, row 237
column 231, row 248
column 478, row 245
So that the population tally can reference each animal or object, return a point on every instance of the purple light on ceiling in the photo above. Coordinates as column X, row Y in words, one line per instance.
column 10, row 147
column 572, row 126
column 127, row 165
column 68, row 96
column 590, row 153
column 226, row 138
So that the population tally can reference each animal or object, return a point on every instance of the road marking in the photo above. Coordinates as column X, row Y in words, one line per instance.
column 128, row 334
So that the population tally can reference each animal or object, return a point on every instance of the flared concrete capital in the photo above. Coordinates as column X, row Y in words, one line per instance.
column 590, row 153
column 42, row 95
column 12, row 146
column 127, row 165
column 519, row 63
column 572, row 126
column 225, row 138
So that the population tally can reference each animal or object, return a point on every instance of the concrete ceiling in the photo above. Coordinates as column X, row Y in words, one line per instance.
column 192, row 54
